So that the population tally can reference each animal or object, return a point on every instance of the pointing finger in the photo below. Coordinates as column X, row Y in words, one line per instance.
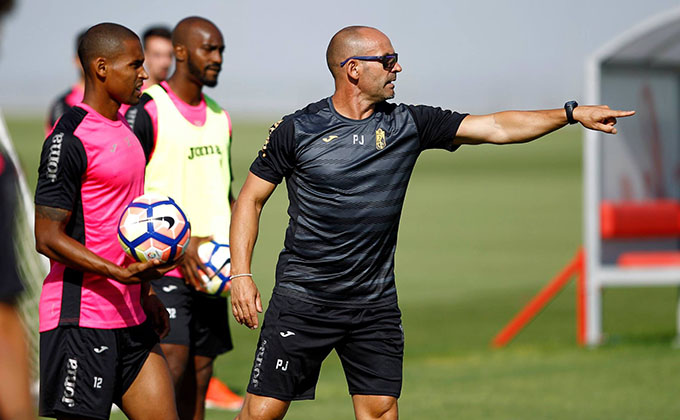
column 621, row 113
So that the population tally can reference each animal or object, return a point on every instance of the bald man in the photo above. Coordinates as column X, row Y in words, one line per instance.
column 99, row 320
column 188, row 137
column 347, row 161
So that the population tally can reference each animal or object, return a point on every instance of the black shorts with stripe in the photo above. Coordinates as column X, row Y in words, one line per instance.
column 297, row 337
column 84, row 370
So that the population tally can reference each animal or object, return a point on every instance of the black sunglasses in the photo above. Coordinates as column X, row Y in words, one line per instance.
column 388, row 61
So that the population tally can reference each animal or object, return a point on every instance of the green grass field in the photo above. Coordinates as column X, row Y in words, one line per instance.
column 483, row 230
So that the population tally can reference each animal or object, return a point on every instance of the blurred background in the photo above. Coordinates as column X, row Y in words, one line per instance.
column 471, row 56
column 483, row 229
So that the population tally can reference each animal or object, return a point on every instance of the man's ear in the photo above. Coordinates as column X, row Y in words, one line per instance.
column 180, row 52
column 352, row 70
column 101, row 67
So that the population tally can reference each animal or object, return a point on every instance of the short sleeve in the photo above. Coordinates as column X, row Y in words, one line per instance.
column 63, row 163
column 437, row 127
column 276, row 160
column 140, row 121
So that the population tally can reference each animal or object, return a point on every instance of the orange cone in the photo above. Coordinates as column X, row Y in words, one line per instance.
column 220, row 397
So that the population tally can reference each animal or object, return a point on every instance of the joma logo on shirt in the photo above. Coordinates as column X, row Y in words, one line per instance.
column 53, row 158
column 204, row 151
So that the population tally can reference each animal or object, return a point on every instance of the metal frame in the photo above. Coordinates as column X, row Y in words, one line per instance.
column 598, row 276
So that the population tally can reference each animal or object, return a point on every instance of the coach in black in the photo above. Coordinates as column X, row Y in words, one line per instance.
column 347, row 161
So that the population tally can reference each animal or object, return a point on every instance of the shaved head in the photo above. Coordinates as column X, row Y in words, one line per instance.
column 103, row 40
column 348, row 42
column 198, row 45
column 181, row 35
column 369, row 64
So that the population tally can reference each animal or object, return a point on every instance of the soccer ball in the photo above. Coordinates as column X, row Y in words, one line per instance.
column 217, row 259
column 153, row 227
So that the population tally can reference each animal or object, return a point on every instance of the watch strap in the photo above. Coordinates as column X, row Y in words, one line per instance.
column 569, row 108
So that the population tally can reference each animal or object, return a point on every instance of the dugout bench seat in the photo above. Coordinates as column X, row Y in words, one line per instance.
column 641, row 220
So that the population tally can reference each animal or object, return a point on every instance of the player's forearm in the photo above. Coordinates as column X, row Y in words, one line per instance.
column 524, row 126
column 243, row 233
column 52, row 241
column 66, row 250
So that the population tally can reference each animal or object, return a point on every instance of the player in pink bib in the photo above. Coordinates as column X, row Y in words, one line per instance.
column 99, row 320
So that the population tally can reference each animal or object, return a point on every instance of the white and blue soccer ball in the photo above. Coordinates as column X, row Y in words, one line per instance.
column 153, row 227
column 217, row 259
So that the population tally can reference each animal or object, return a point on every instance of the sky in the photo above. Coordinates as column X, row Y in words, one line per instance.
column 470, row 56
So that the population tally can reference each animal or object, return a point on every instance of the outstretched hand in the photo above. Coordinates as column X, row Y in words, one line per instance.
column 192, row 263
column 245, row 301
column 599, row 117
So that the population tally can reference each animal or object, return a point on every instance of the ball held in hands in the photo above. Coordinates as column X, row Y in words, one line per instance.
column 153, row 227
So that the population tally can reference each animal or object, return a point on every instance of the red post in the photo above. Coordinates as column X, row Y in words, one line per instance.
column 581, row 302
column 539, row 301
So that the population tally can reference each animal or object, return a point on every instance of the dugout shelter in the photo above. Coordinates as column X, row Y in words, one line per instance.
column 632, row 179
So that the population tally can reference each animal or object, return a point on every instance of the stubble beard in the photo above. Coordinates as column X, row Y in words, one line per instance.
column 199, row 74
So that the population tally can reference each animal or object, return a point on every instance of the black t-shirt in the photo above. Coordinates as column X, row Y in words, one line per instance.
column 10, row 284
column 346, row 183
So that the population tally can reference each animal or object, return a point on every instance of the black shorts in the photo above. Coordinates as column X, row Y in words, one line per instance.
column 297, row 336
column 197, row 320
column 84, row 370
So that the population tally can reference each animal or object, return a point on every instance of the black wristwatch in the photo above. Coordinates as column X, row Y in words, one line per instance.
column 569, row 107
